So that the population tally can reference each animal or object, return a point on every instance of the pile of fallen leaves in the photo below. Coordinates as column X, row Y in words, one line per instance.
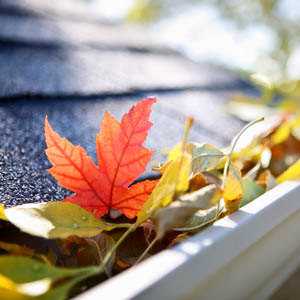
column 56, row 249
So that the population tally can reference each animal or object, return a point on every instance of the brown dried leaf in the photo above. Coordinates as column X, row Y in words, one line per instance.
column 180, row 237
column 197, row 182
column 104, row 243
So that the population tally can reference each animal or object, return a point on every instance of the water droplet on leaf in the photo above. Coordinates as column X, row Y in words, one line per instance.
column 75, row 226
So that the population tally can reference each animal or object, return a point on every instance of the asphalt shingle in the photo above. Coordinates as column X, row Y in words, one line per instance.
column 62, row 68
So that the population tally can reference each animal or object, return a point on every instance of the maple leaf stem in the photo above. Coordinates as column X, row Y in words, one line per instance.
column 117, row 244
column 228, row 161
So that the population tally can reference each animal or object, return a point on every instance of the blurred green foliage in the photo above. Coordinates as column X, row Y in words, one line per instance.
column 280, row 17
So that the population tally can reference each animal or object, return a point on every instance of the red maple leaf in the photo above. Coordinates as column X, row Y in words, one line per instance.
column 121, row 159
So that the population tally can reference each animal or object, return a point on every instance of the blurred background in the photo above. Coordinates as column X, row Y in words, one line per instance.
column 258, row 39
column 250, row 36
column 253, row 36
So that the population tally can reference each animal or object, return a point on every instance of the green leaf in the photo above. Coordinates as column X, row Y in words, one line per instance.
column 179, row 212
column 24, row 278
column 61, row 292
column 293, row 172
column 57, row 220
column 205, row 157
column 251, row 190
column 21, row 270
column 2, row 215
column 174, row 179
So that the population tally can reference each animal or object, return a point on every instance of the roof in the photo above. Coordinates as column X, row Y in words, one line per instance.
column 65, row 63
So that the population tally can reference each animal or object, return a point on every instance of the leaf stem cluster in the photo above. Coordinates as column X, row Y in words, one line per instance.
column 228, row 160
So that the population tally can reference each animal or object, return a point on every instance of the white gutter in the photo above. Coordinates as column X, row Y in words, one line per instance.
column 246, row 255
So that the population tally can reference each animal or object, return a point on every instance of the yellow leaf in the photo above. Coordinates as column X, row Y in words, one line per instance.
column 9, row 290
column 234, row 187
column 13, row 295
column 174, row 180
column 293, row 172
column 2, row 215
column 175, row 152
column 281, row 134
column 6, row 283
column 182, row 184
column 14, row 291
column 232, row 181
column 296, row 121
